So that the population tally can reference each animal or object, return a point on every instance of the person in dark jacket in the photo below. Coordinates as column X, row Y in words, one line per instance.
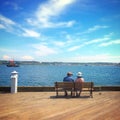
column 68, row 78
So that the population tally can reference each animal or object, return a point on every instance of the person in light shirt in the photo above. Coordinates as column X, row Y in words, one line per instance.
column 78, row 83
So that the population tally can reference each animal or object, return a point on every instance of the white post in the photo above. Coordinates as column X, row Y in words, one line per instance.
column 14, row 79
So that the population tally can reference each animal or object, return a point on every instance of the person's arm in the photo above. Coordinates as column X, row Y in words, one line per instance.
column 83, row 80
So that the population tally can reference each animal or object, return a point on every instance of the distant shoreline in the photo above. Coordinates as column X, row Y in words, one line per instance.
column 5, row 62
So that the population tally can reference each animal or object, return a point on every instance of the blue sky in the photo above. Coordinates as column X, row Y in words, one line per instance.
column 60, row 30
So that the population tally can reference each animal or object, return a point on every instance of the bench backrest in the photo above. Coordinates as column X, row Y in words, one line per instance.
column 87, row 85
column 74, row 85
column 64, row 84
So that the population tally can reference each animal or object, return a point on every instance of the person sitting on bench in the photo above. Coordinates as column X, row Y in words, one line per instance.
column 68, row 78
column 78, row 83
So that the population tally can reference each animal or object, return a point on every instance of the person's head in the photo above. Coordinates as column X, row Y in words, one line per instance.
column 69, row 74
column 79, row 74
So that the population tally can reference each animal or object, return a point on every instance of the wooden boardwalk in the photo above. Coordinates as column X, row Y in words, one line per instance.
column 44, row 106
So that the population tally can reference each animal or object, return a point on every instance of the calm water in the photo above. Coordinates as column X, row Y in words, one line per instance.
column 46, row 75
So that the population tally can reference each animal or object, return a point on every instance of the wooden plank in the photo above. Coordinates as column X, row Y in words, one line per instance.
column 45, row 106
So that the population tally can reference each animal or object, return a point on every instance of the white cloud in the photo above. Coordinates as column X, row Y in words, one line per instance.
column 47, row 12
column 59, row 43
column 43, row 50
column 109, row 35
column 98, row 40
column 110, row 43
column 64, row 24
column 94, row 41
column 94, row 28
column 12, row 27
column 27, row 57
column 6, row 57
column 70, row 23
column 94, row 58
column 73, row 48
column 6, row 21
column 30, row 33
column 2, row 26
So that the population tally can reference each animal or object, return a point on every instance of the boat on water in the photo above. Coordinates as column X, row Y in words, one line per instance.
column 12, row 64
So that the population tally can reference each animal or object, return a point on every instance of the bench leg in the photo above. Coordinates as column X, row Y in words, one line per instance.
column 66, row 94
column 71, row 93
column 57, row 93
column 77, row 93
column 91, row 94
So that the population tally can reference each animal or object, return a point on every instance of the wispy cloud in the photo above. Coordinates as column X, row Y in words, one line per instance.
column 13, row 5
column 30, row 33
column 6, row 23
column 73, row 48
column 12, row 27
column 27, row 57
column 113, row 42
column 94, row 41
column 59, row 43
column 94, row 58
column 43, row 50
column 94, row 28
column 2, row 26
column 109, row 35
column 47, row 12
column 6, row 57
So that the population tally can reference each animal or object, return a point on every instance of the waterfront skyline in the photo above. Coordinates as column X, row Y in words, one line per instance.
column 60, row 30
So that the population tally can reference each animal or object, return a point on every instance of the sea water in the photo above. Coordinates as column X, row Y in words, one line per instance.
column 46, row 75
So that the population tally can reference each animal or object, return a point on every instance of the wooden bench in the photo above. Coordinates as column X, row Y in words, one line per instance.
column 85, row 86
column 73, row 86
column 62, row 86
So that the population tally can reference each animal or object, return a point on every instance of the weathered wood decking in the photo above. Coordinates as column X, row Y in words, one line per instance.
column 44, row 106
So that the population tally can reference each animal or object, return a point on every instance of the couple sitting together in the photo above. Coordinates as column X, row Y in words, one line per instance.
column 79, row 80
